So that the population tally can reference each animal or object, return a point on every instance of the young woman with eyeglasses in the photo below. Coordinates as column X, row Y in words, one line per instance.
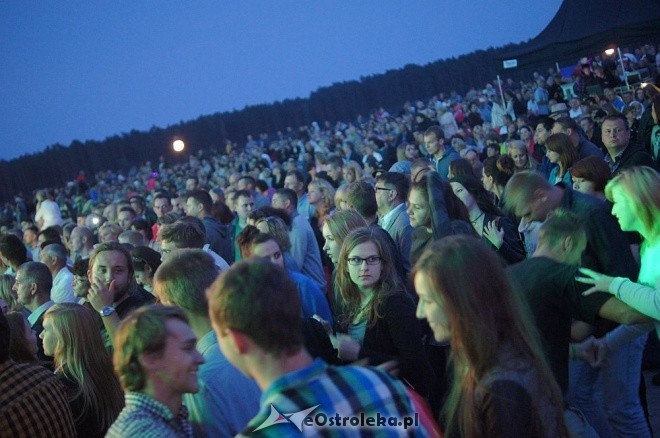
column 376, row 316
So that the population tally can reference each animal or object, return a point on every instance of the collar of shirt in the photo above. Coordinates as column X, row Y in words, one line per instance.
column 34, row 316
column 386, row 220
column 154, row 407
column 614, row 162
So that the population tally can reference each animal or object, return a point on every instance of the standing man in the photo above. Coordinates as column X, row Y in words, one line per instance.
column 434, row 141
column 391, row 194
column 217, row 234
column 243, row 205
column 54, row 256
column 161, row 206
column 157, row 363
column 304, row 247
column 295, row 180
column 48, row 212
column 530, row 196
column 622, row 154
column 584, row 147
column 81, row 242
column 255, row 311
column 227, row 399
column 32, row 288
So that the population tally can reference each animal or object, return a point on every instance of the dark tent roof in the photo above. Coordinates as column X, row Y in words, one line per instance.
column 587, row 27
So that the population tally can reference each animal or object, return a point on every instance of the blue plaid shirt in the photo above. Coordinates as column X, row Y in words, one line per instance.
column 146, row 417
column 319, row 394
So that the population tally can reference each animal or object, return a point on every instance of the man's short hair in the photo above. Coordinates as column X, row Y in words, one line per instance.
column 257, row 298
column 560, row 224
column 289, row 195
column 400, row 182
column 202, row 197
column 39, row 274
column 56, row 250
column 184, row 233
column 112, row 246
column 143, row 331
column 521, row 188
column 568, row 123
column 80, row 267
column 12, row 249
column 128, row 209
column 244, row 193
column 435, row 130
column 361, row 196
column 614, row 117
column 162, row 195
column 251, row 182
column 183, row 278
column 547, row 122
column 298, row 174
column 335, row 161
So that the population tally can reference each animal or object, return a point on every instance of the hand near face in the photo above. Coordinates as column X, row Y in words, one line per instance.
column 100, row 295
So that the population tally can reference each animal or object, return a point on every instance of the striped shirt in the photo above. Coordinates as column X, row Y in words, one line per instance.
column 335, row 401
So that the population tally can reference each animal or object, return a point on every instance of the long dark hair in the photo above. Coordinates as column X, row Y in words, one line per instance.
column 487, row 319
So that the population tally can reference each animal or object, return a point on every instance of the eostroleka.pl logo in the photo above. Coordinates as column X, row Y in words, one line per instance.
column 322, row 420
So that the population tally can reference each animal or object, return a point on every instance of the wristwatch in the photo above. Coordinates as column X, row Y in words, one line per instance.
column 107, row 311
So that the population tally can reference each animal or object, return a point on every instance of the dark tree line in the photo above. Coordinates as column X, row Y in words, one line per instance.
column 338, row 102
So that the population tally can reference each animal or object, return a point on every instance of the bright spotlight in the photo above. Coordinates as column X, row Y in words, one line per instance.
column 178, row 145
column 609, row 52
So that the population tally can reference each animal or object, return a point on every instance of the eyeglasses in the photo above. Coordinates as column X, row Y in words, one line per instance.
column 383, row 188
column 357, row 261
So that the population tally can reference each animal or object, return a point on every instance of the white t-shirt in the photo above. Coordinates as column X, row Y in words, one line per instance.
column 49, row 211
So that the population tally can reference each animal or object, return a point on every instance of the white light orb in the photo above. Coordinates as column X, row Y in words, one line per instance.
column 178, row 145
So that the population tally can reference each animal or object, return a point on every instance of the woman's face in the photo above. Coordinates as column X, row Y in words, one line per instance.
column 430, row 306
column 418, row 209
column 624, row 210
column 552, row 156
column 349, row 175
column 412, row 153
column 314, row 195
column 519, row 157
column 525, row 134
column 486, row 180
column 461, row 193
column 583, row 186
column 48, row 337
column 331, row 246
column 364, row 275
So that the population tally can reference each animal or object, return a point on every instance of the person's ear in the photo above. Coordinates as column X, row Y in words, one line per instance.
column 240, row 342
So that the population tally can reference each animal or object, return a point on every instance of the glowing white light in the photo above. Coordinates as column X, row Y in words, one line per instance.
column 178, row 145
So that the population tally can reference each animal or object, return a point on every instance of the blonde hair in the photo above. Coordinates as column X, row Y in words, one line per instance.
column 642, row 186
column 80, row 355
column 326, row 189
column 7, row 294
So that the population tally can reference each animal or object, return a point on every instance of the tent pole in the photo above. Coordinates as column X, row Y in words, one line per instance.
column 623, row 69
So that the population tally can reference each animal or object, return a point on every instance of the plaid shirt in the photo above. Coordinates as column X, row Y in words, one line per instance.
column 33, row 403
column 145, row 417
column 348, row 391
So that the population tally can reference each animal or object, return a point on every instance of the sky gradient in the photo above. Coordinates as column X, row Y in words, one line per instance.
column 90, row 70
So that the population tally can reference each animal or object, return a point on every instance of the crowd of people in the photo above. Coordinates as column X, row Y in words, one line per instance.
column 474, row 265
